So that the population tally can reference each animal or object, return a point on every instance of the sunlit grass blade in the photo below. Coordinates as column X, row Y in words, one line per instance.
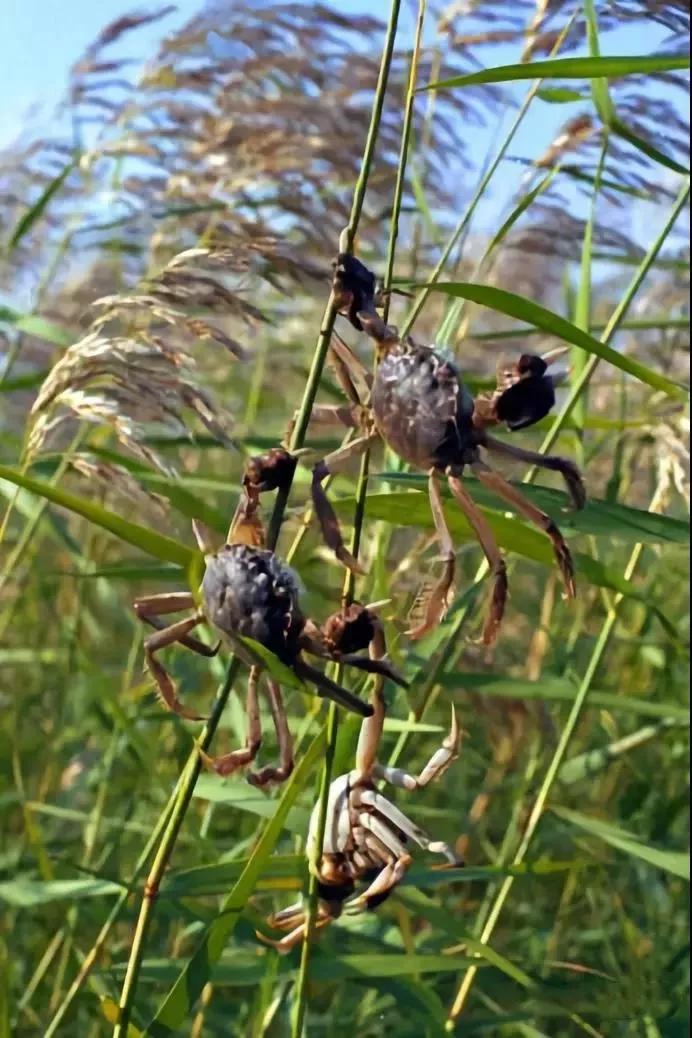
column 675, row 862
column 570, row 68
column 598, row 517
column 35, row 212
column 180, row 999
column 156, row 544
column 32, row 324
column 524, row 309
column 585, row 766
column 553, row 688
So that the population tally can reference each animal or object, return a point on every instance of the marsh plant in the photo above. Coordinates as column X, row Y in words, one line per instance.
column 515, row 175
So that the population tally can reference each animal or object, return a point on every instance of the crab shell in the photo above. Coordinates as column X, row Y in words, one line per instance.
column 249, row 592
column 422, row 408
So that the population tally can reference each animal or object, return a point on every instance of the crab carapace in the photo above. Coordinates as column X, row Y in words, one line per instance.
column 248, row 592
column 367, row 839
column 421, row 408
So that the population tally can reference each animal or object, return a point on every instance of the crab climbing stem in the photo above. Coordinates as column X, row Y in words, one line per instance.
column 367, row 838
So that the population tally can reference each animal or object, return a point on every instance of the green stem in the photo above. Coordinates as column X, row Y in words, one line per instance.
column 616, row 319
column 193, row 766
column 174, row 815
column 547, row 784
column 463, row 223
column 346, row 244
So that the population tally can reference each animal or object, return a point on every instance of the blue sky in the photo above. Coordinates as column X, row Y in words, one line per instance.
column 41, row 39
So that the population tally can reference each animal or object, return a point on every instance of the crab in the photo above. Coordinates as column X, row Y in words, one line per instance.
column 248, row 592
column 418, row 404
column 367, row 838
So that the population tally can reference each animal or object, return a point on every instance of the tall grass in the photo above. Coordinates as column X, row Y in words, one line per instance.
column 149, row 345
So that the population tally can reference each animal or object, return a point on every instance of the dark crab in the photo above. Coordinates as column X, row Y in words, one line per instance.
column 421, row 408
column 248, row 592
column 367, row 838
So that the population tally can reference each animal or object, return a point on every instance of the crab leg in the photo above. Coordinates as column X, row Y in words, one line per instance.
column 272, row 773
column 230, row 762
column 149, row 607
column 494, row 481
column 324, row 916
column 166, row 688
column 487, row 541
column 329, row 524
column 567, row 469
column 392, row 814
column 383, row 883
column 436, row 766
column 438, row 600
column 384, row 834
column 369, row 739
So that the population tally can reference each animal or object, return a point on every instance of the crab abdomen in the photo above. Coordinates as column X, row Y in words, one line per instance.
column 337, row 830
column 249, row 592
column 422, row 409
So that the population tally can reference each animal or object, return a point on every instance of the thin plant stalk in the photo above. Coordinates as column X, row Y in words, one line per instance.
column 453, row 646
column 479, row 193
column 604, row 637
column 551, row 774
column 615, row 321
column 193, row 766
column 300, row 1001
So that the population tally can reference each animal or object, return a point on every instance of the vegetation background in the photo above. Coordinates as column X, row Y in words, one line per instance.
column 166, row 245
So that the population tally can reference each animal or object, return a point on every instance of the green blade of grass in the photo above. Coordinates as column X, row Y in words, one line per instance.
column 35, row 212
column 646, row 147
column 570, row 68
column 675, row 862
column 190, row 981
column 523, row 309
column 554, row 688
column 586, row 765
column 155, row 544
column 31, row 324
column 599, row 518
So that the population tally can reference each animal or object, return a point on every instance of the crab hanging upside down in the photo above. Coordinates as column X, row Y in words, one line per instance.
column 420, row 407
column 367, row 839
column 247, row 592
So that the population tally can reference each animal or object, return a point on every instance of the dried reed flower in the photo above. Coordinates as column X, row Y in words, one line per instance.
column 119, row 482
column 136, row 386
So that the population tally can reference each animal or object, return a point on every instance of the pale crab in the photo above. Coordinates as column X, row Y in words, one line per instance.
column 367, row 838
column 418, row 404
column 248, row 592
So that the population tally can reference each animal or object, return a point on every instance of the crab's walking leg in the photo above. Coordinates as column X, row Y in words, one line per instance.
column 436, row 766
column 495, row 482
column 438, row 601
column 326, row 515
column 369, row 738
column 272, row 773
column 382, row 885
column 149, row 607
column 325, row 914
column 230, row 762
column 567, row 469
column 498, row 569
column 166, row 688
column 326, row 414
